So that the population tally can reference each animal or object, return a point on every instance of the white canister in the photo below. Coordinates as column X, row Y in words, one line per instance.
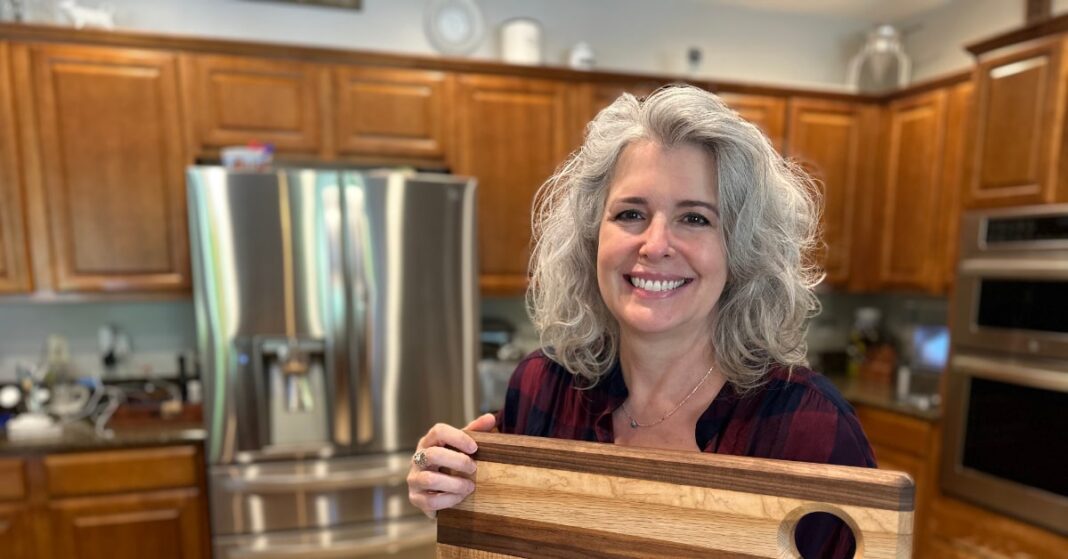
column 521, row 41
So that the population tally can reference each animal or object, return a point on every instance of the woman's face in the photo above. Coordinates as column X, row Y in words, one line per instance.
column 661, row 259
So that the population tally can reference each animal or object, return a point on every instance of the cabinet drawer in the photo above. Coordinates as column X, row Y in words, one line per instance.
column 117, row 471
column 12, row 480
column 895, row 431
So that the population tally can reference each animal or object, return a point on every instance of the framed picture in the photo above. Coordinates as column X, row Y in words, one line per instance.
column 350, row 4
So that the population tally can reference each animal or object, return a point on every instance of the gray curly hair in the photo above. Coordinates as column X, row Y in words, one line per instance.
column 768, row 210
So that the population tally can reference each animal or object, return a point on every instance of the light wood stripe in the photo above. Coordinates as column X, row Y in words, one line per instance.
column 843, row 485
column 534, row 539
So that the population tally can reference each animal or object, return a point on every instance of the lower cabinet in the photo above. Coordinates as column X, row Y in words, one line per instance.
column 125, row 526
column 113, row 504
column 905, row 444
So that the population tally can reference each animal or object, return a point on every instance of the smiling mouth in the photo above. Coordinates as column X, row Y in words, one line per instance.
column 657, row 286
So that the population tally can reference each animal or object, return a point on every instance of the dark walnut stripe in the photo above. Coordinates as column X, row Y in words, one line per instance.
column 544, row 540
column 843, row 485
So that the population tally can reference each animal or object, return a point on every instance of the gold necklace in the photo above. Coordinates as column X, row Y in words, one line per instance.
column 634, row 424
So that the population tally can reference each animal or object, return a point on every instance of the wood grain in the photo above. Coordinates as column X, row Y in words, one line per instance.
column 765, row 111
column 538, row 497
column 111, row 167
column 12, row 479
column 14, row 255
column 116, row 471
column 911, row 197
column 1020, row 107
column 825, row 137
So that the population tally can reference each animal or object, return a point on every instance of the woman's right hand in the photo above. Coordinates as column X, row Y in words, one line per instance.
column 431, row 489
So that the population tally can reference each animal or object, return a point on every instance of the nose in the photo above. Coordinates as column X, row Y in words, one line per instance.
column 657, row 241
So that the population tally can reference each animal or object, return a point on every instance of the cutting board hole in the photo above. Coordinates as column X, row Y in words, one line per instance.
column 817, row 532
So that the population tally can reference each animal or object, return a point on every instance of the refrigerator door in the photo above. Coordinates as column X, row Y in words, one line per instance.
column 410, row 248
column 267, row 252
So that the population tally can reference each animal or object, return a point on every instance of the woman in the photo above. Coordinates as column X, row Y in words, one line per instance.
column 671, row 288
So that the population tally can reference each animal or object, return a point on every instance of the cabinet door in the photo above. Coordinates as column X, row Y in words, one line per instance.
column 765, row 111
column 16, row 532
column 512, row 133
column 825, row 137
column 959, row 132
column 111, row 167
column 166, row 525
column 14, row 260
column 911, row 213
column 1020, row 104
column 391, row 112
column 236, row 100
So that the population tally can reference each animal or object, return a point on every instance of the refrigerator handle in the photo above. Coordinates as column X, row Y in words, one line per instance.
column 360, row 287
column 337, row 305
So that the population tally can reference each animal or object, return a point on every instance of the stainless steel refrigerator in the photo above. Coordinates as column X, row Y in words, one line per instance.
column 336, row 322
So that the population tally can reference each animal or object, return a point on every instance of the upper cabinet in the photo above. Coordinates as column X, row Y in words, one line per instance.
column 14, row 258
column 511, row 135
column 911, row 212
column 1020, row 151
column 107, row 164
column 765, row 111
column 237, row 100
column 392, row 112
column 825, row 137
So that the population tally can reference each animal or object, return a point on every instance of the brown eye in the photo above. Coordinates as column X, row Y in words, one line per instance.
column 627, row 215
column 695, row 219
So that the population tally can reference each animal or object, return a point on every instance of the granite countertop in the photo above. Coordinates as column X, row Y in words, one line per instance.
column 81, row 436
column 882, row 396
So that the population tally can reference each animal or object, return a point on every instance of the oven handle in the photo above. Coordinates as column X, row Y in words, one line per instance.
column 338, row 549
column 1006, row 370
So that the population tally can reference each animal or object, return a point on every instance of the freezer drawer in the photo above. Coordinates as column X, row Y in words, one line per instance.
column 272, row 496
column 412, row 538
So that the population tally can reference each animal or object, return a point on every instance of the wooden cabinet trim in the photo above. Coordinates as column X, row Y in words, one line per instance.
column 118, row 471
column 14, row 251
column 770, row 113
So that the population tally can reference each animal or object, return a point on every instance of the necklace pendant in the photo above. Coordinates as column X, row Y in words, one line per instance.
column 633, row 424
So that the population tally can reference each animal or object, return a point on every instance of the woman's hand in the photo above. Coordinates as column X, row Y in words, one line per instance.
column 431, row 489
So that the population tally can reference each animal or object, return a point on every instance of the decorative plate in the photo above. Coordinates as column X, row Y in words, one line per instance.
column 454, row 27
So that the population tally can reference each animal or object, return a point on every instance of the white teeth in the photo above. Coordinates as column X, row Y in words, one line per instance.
column 649, row 285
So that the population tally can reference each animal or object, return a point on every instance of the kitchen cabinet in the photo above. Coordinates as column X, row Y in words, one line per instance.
column 234, row 100
column 766, row 111
column 1020, row 155
column 387, row 112
column 107, row 504
column 959, row 529
column 918, row 202
column 104, row 161
column 14, row 256
column 911, row 213
column 905, row 444
column 511, row 134
column 828, row 139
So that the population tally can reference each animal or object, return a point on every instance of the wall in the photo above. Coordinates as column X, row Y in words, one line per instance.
column 935, row 40
column 631, row 35
column 157, row 331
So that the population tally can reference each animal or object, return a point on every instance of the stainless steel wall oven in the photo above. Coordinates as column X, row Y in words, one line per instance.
column 1006, row 413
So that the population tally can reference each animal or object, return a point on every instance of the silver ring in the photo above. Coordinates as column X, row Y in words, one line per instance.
column 420, row 460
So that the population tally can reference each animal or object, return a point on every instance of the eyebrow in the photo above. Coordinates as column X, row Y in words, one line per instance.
column 639, row 201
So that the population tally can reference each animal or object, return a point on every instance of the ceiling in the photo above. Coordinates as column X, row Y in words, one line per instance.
column 874, row 11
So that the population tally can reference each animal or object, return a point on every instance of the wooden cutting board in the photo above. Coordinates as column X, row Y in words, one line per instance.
column 536, row 497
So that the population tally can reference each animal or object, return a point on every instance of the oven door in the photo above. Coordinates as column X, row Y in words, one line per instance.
column 1005, row 445
column 1016, row 306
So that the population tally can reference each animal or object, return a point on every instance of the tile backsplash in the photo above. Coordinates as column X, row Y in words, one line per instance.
column 158, row 331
